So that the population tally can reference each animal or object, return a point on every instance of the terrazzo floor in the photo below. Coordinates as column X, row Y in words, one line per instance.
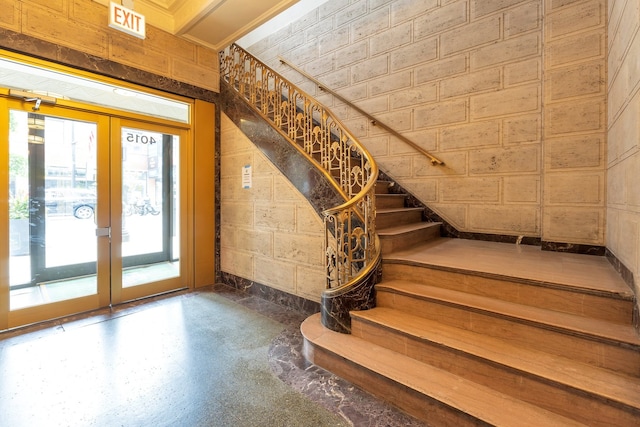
column 212, row 357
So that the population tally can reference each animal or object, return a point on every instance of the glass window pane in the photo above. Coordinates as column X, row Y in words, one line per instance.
column 52, row 180
column 150, row 249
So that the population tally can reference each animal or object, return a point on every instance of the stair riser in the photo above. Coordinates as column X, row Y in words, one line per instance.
column 422, row 407
column 528, row 387
column 384, row 201
column 391, row 219
column 563, row 300
column 382, row 187
column 402, row 241
column 527, row 335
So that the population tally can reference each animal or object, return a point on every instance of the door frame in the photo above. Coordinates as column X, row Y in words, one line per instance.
column 28, row 315
column 105, row 265
column 185, row 280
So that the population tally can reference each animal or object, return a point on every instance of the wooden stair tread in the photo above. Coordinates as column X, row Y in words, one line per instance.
column 395, row 210
column 586, row 378
column 407, row 228
column 469, row 397
column 580, row 286
column 521, row 263
column 392, row 195
column 568, row 323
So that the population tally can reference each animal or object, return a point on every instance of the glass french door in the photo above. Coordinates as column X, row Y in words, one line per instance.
column 146, row 257
column 57, row 188
column 93, row 212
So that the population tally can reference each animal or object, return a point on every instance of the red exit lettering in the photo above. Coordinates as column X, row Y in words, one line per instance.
column 126, row 20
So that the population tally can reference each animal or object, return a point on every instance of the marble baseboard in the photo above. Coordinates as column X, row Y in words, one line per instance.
column 447, row 230
column 629, row 279
column 573, row 248
column 218, row 195
column 499, row 238
column 625, row 273
column 270, row 294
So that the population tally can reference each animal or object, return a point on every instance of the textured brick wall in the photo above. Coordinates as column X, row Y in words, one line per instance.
column 510, row 94
column 82, row 25
column 623, row 153
column 269, row 233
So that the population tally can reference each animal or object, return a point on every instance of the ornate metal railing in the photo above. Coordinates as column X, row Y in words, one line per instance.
column 352, row 246
column 374, row 121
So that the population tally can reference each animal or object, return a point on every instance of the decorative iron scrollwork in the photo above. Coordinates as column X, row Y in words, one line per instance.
column 352, row 247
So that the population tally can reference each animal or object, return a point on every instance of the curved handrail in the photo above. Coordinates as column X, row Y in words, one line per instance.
column 352, row 246
column 433, row 159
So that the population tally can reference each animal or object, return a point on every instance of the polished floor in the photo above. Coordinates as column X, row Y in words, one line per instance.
column 214, row 357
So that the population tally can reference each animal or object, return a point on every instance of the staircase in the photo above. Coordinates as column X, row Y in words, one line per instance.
column 464, row 332
column 482, row 333
column 400, row 227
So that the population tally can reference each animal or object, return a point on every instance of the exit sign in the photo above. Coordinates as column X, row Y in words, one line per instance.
column 126, row 20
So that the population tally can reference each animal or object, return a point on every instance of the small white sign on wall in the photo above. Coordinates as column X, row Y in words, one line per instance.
column 246, row 176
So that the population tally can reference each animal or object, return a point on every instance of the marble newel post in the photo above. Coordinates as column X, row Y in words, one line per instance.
column 336, row 304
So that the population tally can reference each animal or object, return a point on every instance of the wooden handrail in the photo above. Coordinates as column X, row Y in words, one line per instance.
column 434, row 160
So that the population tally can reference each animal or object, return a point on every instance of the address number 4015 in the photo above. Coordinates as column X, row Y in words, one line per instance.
column 140, row 138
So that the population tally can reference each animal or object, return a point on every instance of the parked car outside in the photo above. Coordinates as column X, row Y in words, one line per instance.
column 84, row 209
column 80, row 202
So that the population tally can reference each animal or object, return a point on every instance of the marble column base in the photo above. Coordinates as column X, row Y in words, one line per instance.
column 337, row 305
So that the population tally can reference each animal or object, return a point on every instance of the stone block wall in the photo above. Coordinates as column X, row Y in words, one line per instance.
column 510, row 94
column 575, row 123
column 82, row 25
column 270, row 234
column 623, row 153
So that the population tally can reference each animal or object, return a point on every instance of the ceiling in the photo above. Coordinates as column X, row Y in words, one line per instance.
column 212, row 23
